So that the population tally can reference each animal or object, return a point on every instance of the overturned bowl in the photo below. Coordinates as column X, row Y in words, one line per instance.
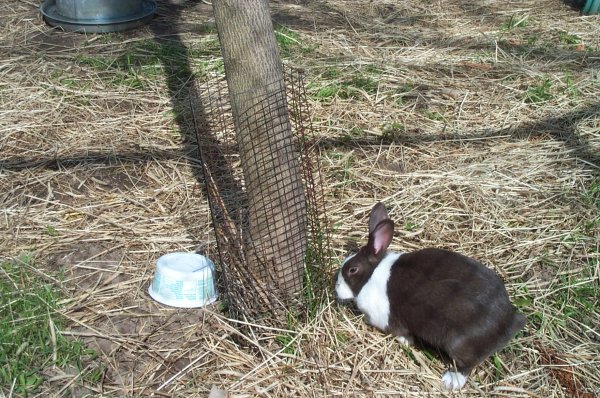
column 184, row 280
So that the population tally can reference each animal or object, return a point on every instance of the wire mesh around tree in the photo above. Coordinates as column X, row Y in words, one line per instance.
column 259, row 278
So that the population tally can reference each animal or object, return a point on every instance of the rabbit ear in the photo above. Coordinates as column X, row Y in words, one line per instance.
column 381, row 237
column 378, row 214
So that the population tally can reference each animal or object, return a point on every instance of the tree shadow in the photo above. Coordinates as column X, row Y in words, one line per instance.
column 167, row 31
column 178, row 72
column 99, row 158
column 408, row 28
column 195, row 108
column 561, row 128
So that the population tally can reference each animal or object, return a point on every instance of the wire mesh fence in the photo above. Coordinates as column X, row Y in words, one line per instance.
column 269, row 259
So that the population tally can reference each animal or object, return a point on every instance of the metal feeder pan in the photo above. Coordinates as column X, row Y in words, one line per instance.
column 97, row 16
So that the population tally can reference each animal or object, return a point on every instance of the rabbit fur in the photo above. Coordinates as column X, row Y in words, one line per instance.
column 442, row 298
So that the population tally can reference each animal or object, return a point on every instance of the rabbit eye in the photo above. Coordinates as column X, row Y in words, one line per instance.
column 352, row 270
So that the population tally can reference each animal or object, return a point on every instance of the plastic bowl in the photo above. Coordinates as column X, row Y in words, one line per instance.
column 184, row 280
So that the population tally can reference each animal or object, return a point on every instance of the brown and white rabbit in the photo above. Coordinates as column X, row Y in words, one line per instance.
column 439, row 297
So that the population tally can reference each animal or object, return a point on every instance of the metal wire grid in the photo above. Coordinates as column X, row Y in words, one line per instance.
column 259, row 272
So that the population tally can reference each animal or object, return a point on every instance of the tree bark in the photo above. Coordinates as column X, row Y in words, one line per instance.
column 269, row 157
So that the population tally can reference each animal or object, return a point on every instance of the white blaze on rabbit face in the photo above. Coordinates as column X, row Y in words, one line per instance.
column 372, row 299
column 342, row 289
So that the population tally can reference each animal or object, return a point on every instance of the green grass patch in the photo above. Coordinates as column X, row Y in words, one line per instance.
column 497, row 367
column 344, row 171
column 51, row 231
column 592, row 194
column 354, row 87
column 142, row 62
column 579, row 300
column 70, row 81
column 574, row 301
column 373, row 70
column 30, row 331
column 326, row 92
column 353, row 134
column 514, row 22
column 290, row 43
column 540, row 92
column 95, row 62
column 568, row 38
column 331, row 73
column 533, row 41
column 410, row 226
column 341, row 337
column 591, row 197
column 345, row 84
column 318, row 257
column 401, row 93
column 392, row 132
column 288, row 343
column 433, row 115
column 570, row 88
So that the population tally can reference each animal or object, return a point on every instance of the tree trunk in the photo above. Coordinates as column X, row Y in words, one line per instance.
column 269, row 157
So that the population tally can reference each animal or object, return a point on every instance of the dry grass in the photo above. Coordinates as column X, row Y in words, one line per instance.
column 475, row 122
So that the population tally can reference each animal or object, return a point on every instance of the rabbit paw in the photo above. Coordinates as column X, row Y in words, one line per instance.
column 404, row 340
column 453, row 380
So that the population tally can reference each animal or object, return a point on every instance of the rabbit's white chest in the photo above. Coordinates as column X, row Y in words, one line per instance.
column 373, row 300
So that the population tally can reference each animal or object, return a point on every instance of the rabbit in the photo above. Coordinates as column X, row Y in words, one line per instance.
column 441, row 298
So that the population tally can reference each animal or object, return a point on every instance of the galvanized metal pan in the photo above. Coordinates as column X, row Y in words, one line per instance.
column 97, row 16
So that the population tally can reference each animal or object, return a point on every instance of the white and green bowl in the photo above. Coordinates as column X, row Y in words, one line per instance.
column 184, row 280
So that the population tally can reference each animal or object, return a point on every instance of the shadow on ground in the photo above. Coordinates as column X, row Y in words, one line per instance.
column 168, row 28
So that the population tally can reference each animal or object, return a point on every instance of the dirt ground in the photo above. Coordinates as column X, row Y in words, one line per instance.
column 476, row 122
